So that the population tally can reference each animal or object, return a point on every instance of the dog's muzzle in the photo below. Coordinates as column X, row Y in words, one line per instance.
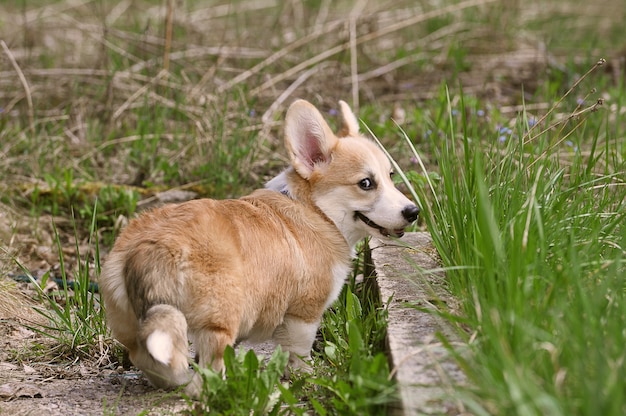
column 409, row 213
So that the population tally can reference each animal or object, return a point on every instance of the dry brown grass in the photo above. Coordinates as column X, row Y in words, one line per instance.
column 13, row 302
column 158, row 94
column 104, row 60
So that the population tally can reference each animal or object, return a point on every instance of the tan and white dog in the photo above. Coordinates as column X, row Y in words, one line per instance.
column 265, row 266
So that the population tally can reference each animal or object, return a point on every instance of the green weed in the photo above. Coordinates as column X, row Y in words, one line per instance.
column 529, row 222
column 353, row 371
column 75, row 318
column 250, row 387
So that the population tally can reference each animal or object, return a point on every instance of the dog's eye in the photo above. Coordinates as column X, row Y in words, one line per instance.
column 366, row 184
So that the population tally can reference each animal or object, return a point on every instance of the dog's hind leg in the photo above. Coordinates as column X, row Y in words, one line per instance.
column 210, row 344
column 163, row 350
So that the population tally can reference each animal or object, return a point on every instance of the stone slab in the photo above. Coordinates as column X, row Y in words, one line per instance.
column 408, row 275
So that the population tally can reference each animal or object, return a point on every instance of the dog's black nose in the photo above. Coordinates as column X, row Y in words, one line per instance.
column 410, row 212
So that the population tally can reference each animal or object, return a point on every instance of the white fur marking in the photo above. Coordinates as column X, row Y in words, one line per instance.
column 340, row 272
column 160, row 346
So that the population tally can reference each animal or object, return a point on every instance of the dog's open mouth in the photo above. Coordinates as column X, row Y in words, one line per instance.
column 399, row 232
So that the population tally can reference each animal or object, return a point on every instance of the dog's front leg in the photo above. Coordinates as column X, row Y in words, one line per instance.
column 296, row 336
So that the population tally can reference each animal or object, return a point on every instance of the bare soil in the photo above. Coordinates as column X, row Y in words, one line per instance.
column 69, row 388
column 79, row 389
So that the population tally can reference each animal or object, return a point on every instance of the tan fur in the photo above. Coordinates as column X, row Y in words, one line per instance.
column 265, row 266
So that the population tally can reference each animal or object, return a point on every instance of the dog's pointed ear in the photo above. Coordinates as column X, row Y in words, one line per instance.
column 350, row 124
column 308, row 138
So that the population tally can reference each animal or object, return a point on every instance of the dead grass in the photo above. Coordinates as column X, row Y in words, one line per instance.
column 263, row 48
column 13, row 303
column 83, row 85
column 115, row 91
column 143, row 93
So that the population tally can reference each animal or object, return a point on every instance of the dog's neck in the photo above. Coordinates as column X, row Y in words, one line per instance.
column 290, row 184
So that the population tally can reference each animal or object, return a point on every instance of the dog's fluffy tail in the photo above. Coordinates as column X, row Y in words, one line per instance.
column 163, row 355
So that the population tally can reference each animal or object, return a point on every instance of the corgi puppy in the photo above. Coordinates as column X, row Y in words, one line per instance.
column 261, row 267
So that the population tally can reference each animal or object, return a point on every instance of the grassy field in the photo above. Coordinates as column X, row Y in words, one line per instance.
column 531, row 229
column 104, row 106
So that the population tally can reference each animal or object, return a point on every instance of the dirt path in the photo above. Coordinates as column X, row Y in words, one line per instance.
column 28, row 387
column 76, row 388
column 28, row 391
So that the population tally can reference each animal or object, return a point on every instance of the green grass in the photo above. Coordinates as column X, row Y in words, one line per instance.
column 74, row 318
column 530, row 223
column 250, row 387
column 354, row 376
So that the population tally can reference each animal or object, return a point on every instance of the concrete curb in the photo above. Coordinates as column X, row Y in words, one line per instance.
column 423, row 368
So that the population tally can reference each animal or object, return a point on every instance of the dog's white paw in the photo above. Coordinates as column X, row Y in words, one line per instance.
column 296, row 363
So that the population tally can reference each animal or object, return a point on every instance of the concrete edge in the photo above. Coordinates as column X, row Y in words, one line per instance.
column 424, row 370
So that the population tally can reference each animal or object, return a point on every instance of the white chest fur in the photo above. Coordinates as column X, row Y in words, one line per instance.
column 340, row 272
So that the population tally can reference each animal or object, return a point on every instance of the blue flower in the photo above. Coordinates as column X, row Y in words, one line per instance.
column 571, row 144
column 505, row 133
column 333, row 112
column 480, row 113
